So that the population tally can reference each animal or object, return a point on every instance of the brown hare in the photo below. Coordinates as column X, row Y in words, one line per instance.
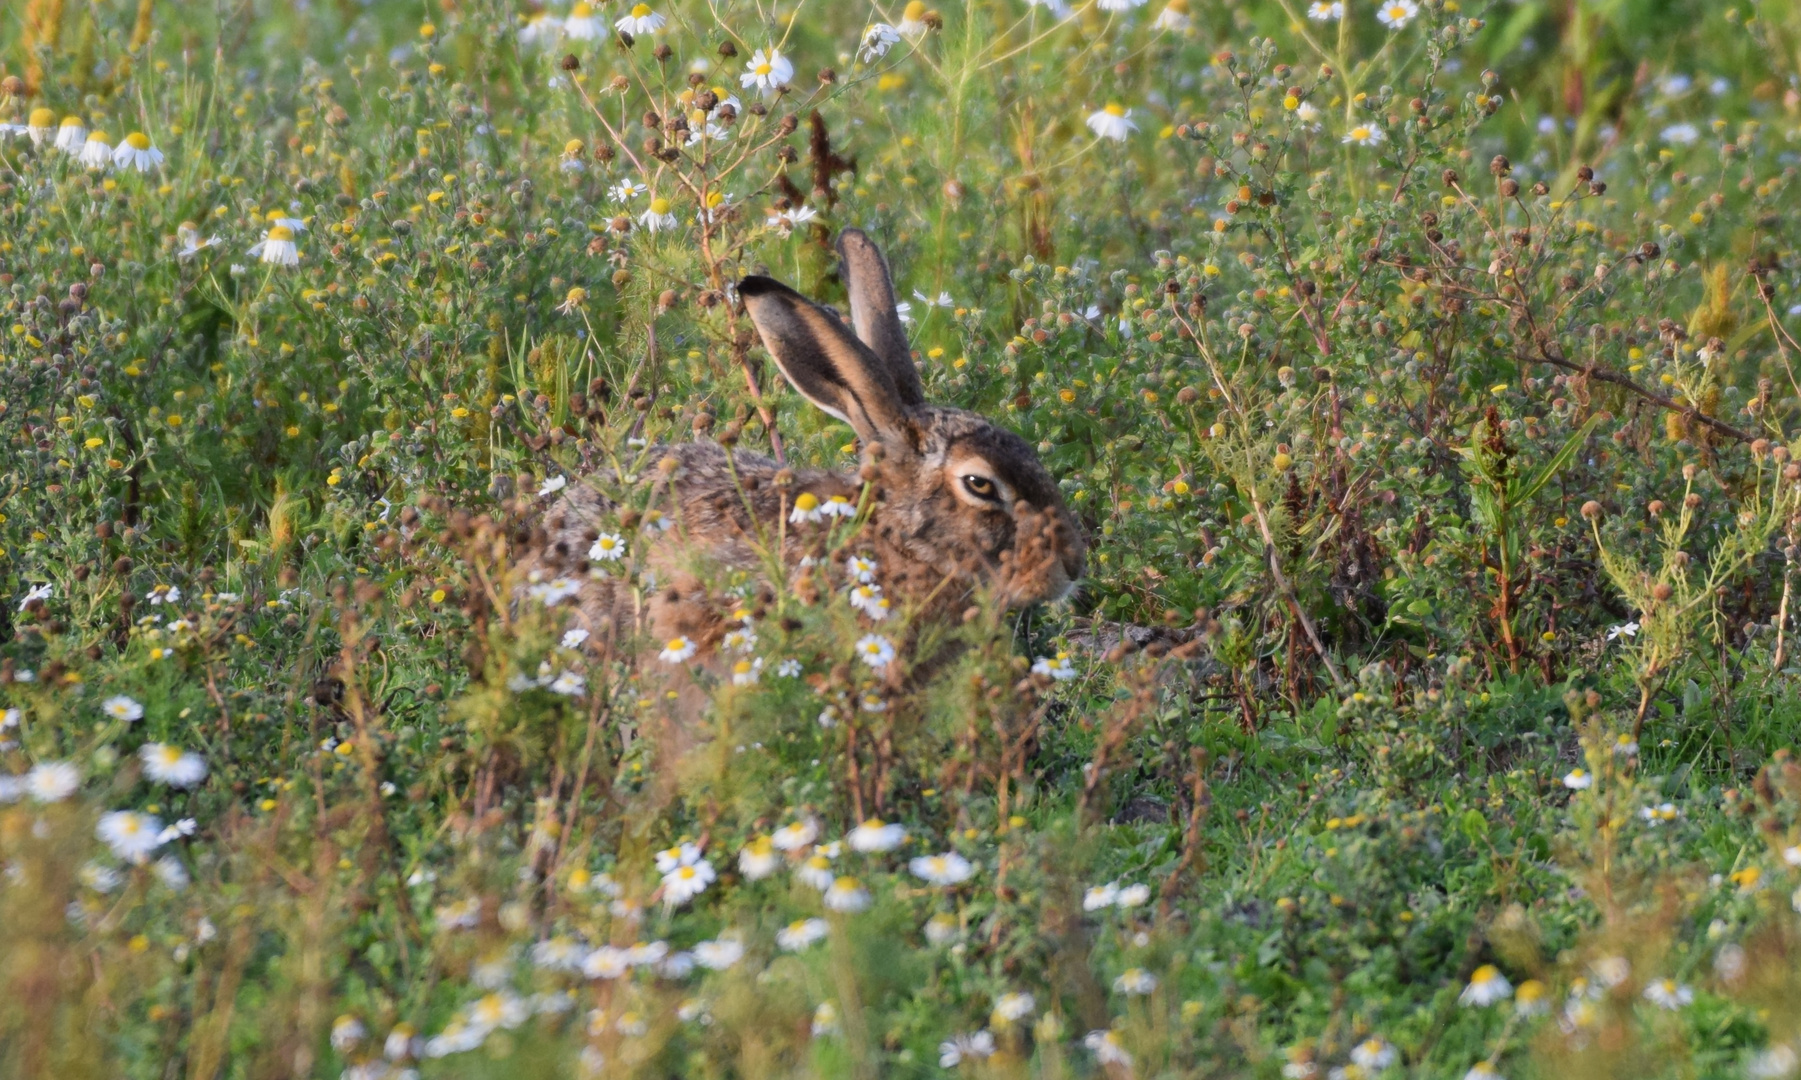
column 949, row 502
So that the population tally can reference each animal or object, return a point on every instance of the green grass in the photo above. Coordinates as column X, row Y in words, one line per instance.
column 1445, row 405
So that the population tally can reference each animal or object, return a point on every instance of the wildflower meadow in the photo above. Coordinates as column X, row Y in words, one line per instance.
column 1012, row 538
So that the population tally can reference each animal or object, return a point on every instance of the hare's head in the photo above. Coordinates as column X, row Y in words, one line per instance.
column 960, row 495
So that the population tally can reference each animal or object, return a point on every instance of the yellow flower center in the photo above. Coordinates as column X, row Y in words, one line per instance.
column 640, row 10
column 742, row 667
column 137, row 140
column 98, row 137
column 573, row 146
column 71, row 121
column 580, row 11
column 677, row 644
column 915, row 11
column 807, row 501
column 659, row 206
column 763, row 68
column 281, row 233
column 1114, row 110
column 42, row 118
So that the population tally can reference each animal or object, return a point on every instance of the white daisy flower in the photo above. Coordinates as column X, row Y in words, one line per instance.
column 184, row 827
column 1487, row 986
column 801, row 934
column 1012, row 1007
column 942, row 929
column 1658, row 815
column 607, row 547
column 1131, row 896
column 683, row 854
column 1324, row 11
column 949, row 868
column 846, row 895
column 1623, row 630
column 581, row 25
column 875, row 650
column 788, row 669
column 1119, row 5
column 131, row 835
column 552, row 593
column 1777, row 1063
column 873, row 835
column 277, row 247
column 572, row 639
column 825, row 1020
column 1059, row 667
column 747, row 672
column 807, row 509
column 871, row 702
column 552, row 485
column 71, row 135
column 658, row 217
column 1668, row 994
column 627, row 190
column 569, row 684
column 684, row 883
column 742, row 640
column 719, row 955
column 1100, row 896
column 1107, row 1048
column 839, row 506
column 606, row 962
column 877, row 39
column 540, row 29
column 676, row 650
column 1482, row 1070
column 96, row 152
column 172, row 765
column 1373, row 1054
column 757, row 859
column 36, row 592
column 559, row 954
column 767, row 70
column 795, row 836
column 786, row 220
column 1136, row 982
column 816, row 871
column 52, row 781
column 954, row 1051
column 639, row 20
column 860, row 568
column 137, row 153
column 1365, row 135
column 1680, row 134
column 1112, row 121
column 41, row 126
column 1174, row 18
column 869, row 600
column 120, row 707
column 912, row 25
column 1395, row 14
column 1578, row 780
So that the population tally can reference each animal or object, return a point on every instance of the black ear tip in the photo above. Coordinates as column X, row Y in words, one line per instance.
column 758, row 285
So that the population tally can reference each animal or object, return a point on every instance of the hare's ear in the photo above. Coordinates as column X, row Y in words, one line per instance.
column 824, row 360
column 875, row 314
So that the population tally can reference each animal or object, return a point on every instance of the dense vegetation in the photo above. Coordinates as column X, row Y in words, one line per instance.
column 1421, row 375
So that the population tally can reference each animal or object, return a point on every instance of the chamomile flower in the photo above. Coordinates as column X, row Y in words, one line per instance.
column 1487, row 986
column 795, row 835
column 581, row 25
column 172, row 765
column 606, row 962
column 1779, row 1062
column 1174, row 17
column 277, row 247
column 874, row 835
column 788, row 669
column 846, row 895
column 607, row 547
column 627, row 190
column 1112, row 121
column 569, row 684
column 187, row 234
column 36, row 592
column 1012, row 1007
column 1532, row 998
column 96, row 152
column 1059, row 667
column 52, row 781
column 767, row 69
column 41, row 126
column 839, row 506
column 807, row 509
column 1365, row 135
column 949, row 868
column 719, row 954
column 1100, row 896
column 573, row 638
column 1373, row 1054
column 137, row 153
column 1680, row 134
column 684, row 883
column 869, row 600
column 1131, row 896
column 801, row 934
column 286, row 219
column 559, row 954
column 1658, row 815
column 1135, row 982
column 120, row 707
column 956, row 1050
column 131, row 835
column 1326, row 10
column 1482, row 1070
column 757, row 859
column 1668, row 994
column 1120, row 5
column 657, row 217
column 913, row 21
column 875, row 650
column 942, row 929
column 816, row 871
column 877, row 39
column 571, row 161
column 639, row 20
column 1107, row 1048
column 683, row 854
column 553, row 592
column 747, row 672
column 743, row 639
column 1578, row 780
column 676, row 650
column 540, row 29
column 71, row 135
column 1395, row 14
column 786, row 220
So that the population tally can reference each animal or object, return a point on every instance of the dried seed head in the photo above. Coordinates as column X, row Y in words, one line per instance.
column 1662, row 591
column 1591, row 510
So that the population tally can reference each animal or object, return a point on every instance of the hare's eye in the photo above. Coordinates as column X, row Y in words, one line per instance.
column 981, row 487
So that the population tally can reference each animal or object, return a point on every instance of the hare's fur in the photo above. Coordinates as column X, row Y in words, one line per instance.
column 955, row 503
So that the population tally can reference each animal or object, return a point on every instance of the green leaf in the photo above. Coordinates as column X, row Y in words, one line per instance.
column 1557, row 462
